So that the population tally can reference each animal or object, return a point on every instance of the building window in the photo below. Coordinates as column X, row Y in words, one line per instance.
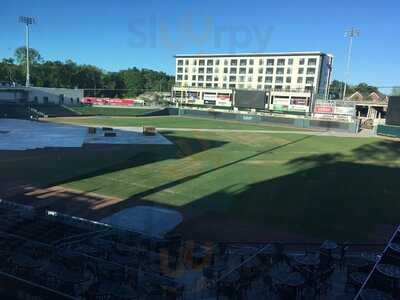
column 241, row 78
column 268, row 79
column 179, row 77
column 180, row 62
column 260, row 70
column 225, row 62
column 310, row 80
column 269, row 71
column 209, row 70
column 194, row 70
column 259, row 86
column 217, row 62
column 290, row 61
column 186, row 62
column 249, row 79
column 215, row 78
column 288, row 79
column 35, row 99
column 232, row 78
column 270, row 62
column 310, row 71
column 251, row 62
column 242, row 70
column 224, row 85
column 243, row 62
column 216, row 70
column 287, row 87
column 215, row 85
column 208, row 78
column 186, row 77
column 226, row 70
column 279, row 79
column 300, row 80
column 267, row 87
column 280, row 71
column 260, row 79
column 301, row 70
column 308, row 88
column 232, row 86
column 71, row 100
column 186, row 70
column 301, row 62
column 200, row 84
column 201, row 62
column 233, row 62
column 201, row 70
column 45, row 100
column 77, row 101
column 193, row 84
column 194, row 77
column 278, row 88
column 195, row 62
column 201, row 78
column 281, row 62
column 289, row 71
column 260, row 61
column 208, row 85
column 180, row 70
column 233, row 71
column 210, row 62
column 250, row 71
column 312, row 61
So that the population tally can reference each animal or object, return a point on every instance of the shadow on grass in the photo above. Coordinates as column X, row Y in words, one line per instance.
column 327, row 197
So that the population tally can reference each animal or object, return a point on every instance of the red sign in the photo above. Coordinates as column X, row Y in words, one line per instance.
column 108, row 101
column 323, row 109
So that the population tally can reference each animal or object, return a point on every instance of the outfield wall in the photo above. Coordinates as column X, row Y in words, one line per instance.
column 388, row 130
column 305, row 123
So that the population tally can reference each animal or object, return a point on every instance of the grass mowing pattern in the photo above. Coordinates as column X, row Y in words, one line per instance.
column 323, row 187
column 171, row 122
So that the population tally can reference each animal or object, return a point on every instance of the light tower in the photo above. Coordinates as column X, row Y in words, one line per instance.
column 352, row 33
column 27, row 21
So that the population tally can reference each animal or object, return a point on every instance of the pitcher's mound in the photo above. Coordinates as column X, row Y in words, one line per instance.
column 150, row 220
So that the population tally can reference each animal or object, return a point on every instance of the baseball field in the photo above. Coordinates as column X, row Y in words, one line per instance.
column 228, row 185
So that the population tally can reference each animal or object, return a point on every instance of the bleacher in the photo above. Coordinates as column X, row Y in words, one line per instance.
column 15, row 111
column 53, row 110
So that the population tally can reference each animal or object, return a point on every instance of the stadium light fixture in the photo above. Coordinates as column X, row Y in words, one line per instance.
column 27, row 21
column 351, row 34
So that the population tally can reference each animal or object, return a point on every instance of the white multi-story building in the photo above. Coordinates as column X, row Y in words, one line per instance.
column 297, row 74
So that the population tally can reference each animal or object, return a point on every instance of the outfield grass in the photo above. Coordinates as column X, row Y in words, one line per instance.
column 170, row 122
column 318, row 187
column 111, row 111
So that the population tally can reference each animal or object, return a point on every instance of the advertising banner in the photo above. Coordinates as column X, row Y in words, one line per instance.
column 210, row 102
column 209, row 97
column 345, row 110
column 109, row 101
column 324, row 109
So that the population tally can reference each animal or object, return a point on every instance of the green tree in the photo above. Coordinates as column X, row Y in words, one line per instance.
column 20, row 56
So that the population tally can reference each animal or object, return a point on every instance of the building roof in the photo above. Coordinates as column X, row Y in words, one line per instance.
column 308, row 53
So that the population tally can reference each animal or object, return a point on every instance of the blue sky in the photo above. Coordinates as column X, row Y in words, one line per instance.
column 125, row 33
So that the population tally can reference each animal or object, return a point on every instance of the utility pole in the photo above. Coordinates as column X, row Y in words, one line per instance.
column 352, row 33
column 27, row 21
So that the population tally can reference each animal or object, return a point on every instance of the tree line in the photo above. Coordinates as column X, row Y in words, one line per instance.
column 97, row 82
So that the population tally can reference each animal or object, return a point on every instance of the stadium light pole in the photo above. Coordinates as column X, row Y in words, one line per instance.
column 27, row 21
column 352, row 33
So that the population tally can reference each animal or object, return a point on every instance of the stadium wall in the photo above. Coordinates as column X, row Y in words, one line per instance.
column 306, row 123
column 388, row 130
